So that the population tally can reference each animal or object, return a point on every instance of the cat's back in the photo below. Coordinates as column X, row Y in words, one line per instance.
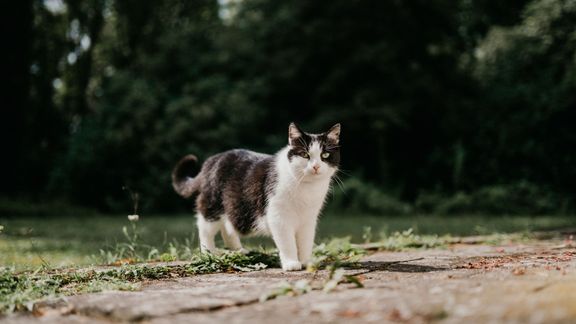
column 237, row 165
column 233, row 160
column 236, row 183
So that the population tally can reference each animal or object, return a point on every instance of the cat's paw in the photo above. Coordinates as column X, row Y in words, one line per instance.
column 291, row 266
column 244, row 251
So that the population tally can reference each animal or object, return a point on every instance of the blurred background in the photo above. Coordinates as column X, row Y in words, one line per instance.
column 447, row 107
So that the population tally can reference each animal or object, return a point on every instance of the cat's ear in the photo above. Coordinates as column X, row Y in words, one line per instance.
column 293, row 133
column 334, row 133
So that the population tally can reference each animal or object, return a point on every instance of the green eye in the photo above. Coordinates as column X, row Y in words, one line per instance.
column 325, row 155
column 305, row 155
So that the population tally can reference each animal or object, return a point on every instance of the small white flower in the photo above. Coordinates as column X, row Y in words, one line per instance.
column 133, row 218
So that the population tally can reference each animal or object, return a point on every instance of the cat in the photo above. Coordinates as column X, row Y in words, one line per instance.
column 240, row 192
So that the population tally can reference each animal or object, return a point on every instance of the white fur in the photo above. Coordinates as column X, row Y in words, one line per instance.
column 292, row 210
column 206, row 232
column 295, row 204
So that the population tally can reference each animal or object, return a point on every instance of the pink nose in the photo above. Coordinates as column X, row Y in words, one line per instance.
column 316, row 167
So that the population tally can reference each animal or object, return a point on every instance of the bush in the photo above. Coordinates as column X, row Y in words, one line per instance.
column 510, row 199
column 10, row 207
column 360, row 196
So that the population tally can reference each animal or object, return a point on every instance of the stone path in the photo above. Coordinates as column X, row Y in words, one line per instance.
column 520, row 283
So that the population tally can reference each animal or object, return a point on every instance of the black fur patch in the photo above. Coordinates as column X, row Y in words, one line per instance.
column 236, row 183
column 331, row 147
column 300, row 146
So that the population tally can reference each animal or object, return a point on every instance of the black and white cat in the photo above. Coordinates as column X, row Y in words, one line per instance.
column 240, row 192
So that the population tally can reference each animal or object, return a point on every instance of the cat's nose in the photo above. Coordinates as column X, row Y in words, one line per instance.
column 316, row 167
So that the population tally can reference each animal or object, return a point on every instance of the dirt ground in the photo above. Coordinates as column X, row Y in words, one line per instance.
column 531, row 282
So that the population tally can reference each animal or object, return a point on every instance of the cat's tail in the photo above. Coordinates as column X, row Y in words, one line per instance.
column 183, row 181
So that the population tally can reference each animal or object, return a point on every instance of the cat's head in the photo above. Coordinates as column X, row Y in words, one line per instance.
column 314, row 156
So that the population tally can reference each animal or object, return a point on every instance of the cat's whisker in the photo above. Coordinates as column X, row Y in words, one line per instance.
column 339, row 182
column 345, row 172
column 297, row 181
column 302, row 142
column 337, row 178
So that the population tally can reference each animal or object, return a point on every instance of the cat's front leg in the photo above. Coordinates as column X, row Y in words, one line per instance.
column 285, row 239
column 305, row 241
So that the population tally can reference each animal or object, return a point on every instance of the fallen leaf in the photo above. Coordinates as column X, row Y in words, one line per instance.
column 123, row 262
column 519, row 271
column 396, row 316
column 350, row 313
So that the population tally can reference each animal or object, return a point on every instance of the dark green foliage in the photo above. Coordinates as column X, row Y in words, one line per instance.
column 527, row 73
column 435, row 97
column 356, row 195
column 522, row 198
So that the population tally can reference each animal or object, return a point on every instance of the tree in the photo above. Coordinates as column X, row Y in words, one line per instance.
column 527, row 72
column 16, row 25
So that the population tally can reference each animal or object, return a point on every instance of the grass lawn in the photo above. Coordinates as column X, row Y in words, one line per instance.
column 27, row 243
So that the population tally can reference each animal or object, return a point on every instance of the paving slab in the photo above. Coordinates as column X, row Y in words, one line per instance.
column 532, row 282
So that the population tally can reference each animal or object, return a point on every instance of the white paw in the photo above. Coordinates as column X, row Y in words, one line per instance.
column 291, row 266
column 243, row 251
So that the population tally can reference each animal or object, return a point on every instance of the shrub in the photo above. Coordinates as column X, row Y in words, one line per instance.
column 356, row 195
column 509, row 199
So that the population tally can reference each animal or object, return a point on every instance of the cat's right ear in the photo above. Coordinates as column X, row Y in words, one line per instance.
column 293, row 133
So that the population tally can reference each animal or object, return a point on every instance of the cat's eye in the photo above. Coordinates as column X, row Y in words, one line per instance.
column 325, row 155
column 305, row 155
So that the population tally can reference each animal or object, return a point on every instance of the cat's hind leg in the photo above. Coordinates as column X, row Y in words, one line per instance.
column 206, row 232
column 231, row 237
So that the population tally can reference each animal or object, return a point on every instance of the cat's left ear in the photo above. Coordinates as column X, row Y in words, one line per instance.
column 334, row 133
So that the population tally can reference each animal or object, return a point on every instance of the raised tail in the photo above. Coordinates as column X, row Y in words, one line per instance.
column 183, row 181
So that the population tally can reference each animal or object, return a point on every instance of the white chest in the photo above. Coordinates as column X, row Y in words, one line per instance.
column 302, row 200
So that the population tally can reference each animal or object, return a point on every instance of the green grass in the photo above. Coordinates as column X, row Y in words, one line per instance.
column 19, row 291
column 27, row 243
